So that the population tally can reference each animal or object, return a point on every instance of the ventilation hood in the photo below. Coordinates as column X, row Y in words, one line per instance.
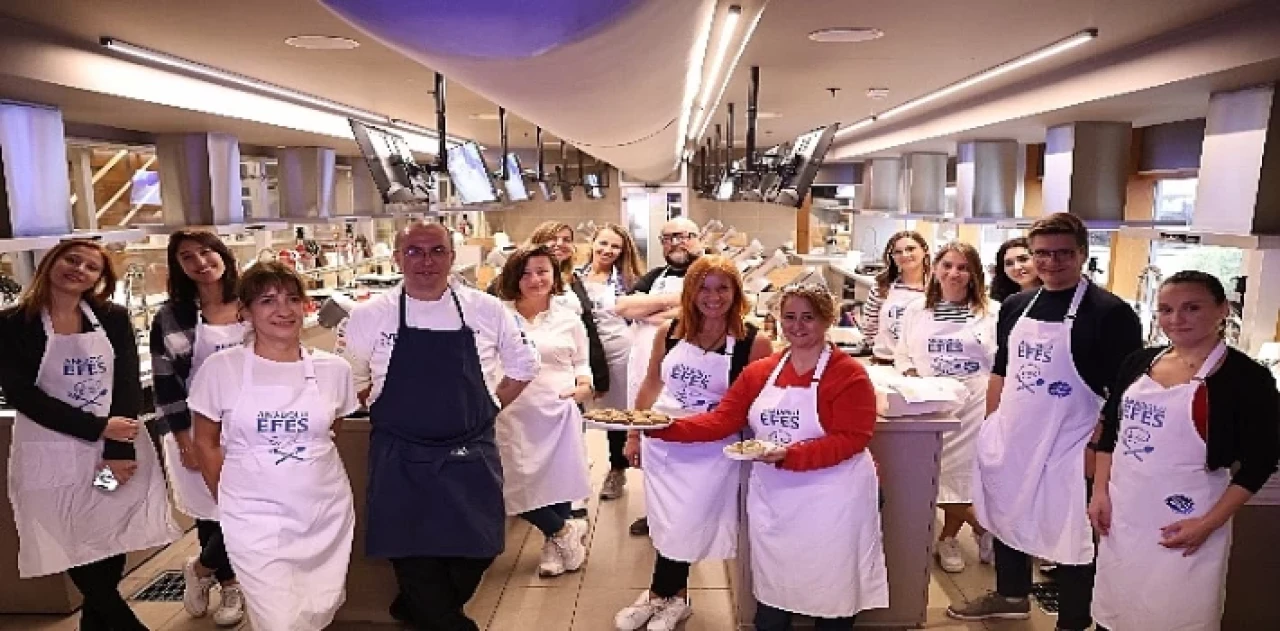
column 616, row 78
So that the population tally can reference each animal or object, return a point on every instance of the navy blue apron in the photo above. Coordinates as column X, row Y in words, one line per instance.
column 435, row 480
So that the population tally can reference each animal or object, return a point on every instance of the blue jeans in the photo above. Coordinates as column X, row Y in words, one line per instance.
column 549, row 519
column 774, row 619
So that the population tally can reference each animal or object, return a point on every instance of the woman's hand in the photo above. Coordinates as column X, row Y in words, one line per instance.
column 123, row 470
column 1100, row 513
column 632, row 449
column 121, row 429
column 1188, row 534
column 581, row 393
column 187, row 450
column 773, row 456
column 911, row 372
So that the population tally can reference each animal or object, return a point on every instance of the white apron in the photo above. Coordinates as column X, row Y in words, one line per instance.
column 190, row 493
column 615, row 336
column 691, row 489
column 1158, row 477
column 892, row 309
column 63, row 521
column 1030, row 489
column 642, row 338
column 286, row 506
column 963, row 351
column 816, row 545
column 540, row 435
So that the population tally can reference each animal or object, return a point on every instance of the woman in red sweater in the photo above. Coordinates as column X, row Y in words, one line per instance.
column 819, row 484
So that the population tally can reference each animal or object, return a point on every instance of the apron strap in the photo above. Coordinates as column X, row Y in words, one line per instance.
column 822, row 364
column 1075, row 300
column 823, row 359
column 404, row 319
column 1210, row 361
column 47, row 321
column 246, row 379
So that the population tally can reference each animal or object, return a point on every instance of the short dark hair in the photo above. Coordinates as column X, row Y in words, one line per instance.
column 1060, row 223
column 513, row 269
column 183, row 290
column 1197, row 277
column 267, row 275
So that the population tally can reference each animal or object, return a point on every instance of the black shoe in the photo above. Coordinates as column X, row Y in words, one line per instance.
column 578, row 513
column 400, row 611
column 640, row 527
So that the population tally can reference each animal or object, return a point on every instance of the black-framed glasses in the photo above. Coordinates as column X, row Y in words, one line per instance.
column 1062, row 254
column 677, row 237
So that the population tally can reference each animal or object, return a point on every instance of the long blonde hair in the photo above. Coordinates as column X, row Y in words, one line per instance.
column 628, row 261
column 977, row 278
column 37, row 295
column 690, row 321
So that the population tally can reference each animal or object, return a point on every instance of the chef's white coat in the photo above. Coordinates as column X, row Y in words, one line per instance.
column 367, row 336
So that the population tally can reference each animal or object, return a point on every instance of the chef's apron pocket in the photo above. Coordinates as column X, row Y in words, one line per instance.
column 36, row 466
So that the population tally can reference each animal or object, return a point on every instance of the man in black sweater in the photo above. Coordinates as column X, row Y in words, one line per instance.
column 1059, row 350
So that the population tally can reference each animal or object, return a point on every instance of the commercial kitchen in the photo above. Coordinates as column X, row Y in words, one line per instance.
column 800, row 138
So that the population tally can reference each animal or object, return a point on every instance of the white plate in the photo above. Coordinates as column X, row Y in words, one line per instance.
column 613, row 427
column 733, row 455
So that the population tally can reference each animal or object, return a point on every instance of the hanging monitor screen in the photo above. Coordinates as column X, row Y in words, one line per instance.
column 398, row 177
column 516, row 190
column 591, row 182
column 798, row 166
column 470, row 176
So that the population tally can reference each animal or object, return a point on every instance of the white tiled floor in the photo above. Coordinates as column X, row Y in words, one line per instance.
column 513, row 598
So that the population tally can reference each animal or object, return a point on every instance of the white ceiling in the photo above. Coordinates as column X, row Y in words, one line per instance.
column 928, row 44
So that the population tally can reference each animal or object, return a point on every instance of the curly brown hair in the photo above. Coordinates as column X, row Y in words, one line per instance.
column 820, row 300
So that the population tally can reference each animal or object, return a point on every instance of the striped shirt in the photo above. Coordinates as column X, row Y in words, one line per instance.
column 870, row 320
column 952, row 312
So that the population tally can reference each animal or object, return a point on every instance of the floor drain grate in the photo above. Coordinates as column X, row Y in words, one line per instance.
column 1046, row 595
column 167, row 587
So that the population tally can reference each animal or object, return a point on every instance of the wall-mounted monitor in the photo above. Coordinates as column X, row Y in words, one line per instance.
column 470, row 176
column 798, row 166
column 591, row 182
column 398, row 177
column 548, row 190
column 516, row 189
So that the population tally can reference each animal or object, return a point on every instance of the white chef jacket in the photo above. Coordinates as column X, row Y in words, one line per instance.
column 367, row 336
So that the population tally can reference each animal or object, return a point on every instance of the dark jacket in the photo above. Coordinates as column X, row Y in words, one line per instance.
column 22, row 345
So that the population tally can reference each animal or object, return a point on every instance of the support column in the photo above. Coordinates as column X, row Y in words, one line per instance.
column 84, row 212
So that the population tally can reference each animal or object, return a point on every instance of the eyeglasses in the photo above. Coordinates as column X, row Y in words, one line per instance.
column 678, row 237
column 1064, row 254
column 415, row 253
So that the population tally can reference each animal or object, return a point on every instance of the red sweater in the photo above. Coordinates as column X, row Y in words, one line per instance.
column 846, row 410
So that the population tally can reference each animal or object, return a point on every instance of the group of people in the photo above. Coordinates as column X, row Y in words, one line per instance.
column 476, row 401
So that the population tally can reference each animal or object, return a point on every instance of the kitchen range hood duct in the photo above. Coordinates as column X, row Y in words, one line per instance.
column 1239, row 180
column 1086, row 170
column 34, row 187
column 881, row 189
column 989, row 178
column 200, row 179
column 306, row 182
column 924, row 183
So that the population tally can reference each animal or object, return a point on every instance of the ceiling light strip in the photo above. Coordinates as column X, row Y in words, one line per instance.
column 223, row 76
column 692, row 82
column 728, row 74
column 1061, row 46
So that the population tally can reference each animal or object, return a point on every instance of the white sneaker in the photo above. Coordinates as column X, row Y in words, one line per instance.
column 550, row 563
column 986, row 547
column 949, row 555
column 231, row 609
column 572, row 545
column 195, row 596
column 672, row 613
column 638, row 613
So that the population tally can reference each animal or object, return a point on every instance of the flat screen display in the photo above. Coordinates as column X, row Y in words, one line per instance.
column 516, row 190
column 799, row 166
column 591, row 182
column 470, row 176
column 398, row 177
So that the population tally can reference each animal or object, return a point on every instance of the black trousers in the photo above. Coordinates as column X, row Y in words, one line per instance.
column 617, row 441
column 670, row 577
column 1075, row 585
column 104, row 608
column 213, row 552
column 774, row 619
column 549, row 519
column 433, row 591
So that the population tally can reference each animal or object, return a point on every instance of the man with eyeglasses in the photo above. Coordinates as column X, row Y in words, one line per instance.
column 434, row 361
column 654, row 300
column 1059, row 348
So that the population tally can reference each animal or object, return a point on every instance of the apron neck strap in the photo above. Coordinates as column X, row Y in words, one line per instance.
column 1076, row 298
column 246, row 374
column 1210, row 361
column 818, row 370
column 47, row 321
column 404, row 300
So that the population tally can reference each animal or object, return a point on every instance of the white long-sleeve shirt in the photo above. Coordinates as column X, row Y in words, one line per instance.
column 367, row 337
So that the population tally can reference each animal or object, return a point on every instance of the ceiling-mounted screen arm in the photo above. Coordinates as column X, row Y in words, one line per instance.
column 753, row 97
column 542, row 168
column 502, row 129
column 729, row 140
column 442, row 156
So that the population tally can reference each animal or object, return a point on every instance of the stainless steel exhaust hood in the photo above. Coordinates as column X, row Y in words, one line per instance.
column 989, row 177
column 200, row 179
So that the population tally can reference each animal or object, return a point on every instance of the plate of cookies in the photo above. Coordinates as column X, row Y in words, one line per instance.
column 625, row 420
column 749, row 449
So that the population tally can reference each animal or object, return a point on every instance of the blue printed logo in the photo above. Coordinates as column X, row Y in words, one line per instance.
column 1180, row 504
column 1060, row 389
column 1028, row 377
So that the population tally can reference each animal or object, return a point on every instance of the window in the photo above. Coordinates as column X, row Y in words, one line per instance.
column 1223, row 262
column 1175, row 199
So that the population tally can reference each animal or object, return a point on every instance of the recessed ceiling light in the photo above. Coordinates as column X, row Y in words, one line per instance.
column 846, row 34
column 322, row 42
column 485, row 116
column 877, row 93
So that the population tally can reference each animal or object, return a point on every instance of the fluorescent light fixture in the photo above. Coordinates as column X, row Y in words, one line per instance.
column 846, row 34
column 217, row 74
column 415, row 128
column 692, row 78
column 727, row 30
column 1083, row 37
column 742, row 48
column 321, row 42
